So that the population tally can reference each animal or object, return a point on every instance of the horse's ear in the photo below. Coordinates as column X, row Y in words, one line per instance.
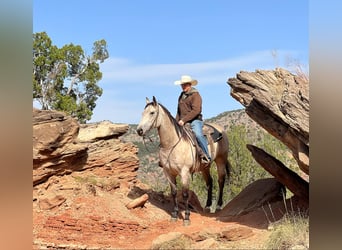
column 154, row 101
column 147, row 100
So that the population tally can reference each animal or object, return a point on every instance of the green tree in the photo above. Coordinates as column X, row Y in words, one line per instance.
column 245, row 169
column 66, row 78
column 278, row 150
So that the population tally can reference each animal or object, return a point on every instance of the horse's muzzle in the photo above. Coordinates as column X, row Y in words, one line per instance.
column 140, row 131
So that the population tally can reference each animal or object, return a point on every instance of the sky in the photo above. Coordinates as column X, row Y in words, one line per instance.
column 151, row 43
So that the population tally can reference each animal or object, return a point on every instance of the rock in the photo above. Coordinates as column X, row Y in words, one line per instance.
column 238, row 233
column 255, row 195
column 47, row 204
column 52, row 130
column 172, row 240
column 54, row 150
column 279, row 102
column 62, row 146
column 138, row 202
column 295, row 183
column 210, row 243
column 99, row 131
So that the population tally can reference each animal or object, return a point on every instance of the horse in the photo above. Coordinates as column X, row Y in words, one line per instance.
column 178, row 155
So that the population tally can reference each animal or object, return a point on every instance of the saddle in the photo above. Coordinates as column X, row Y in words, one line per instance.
column 210, row 132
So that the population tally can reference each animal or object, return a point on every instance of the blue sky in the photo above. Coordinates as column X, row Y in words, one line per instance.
column 152, row 43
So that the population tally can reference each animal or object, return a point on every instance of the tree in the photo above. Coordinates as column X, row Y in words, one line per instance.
column 245, row 169
column 66, row 78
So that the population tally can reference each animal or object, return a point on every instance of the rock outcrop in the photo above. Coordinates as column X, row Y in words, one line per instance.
column 61, row 145
column 255, row 195
column 278, row 101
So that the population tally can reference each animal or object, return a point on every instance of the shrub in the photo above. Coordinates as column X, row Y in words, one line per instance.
column 291, row 232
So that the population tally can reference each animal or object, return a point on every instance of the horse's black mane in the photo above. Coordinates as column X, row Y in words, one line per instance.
column 179, row 129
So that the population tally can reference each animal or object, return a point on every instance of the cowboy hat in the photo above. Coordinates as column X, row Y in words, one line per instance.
column 186, row 79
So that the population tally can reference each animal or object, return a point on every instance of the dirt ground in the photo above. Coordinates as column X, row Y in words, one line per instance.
column 73, row 212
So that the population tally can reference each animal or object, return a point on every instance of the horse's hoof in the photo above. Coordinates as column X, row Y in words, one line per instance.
column 173, row 219
column 186, row 223
column 206, row 210
column 218, row 209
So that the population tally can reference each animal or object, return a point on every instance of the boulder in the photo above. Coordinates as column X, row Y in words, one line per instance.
column 61, row 145
column 54, row 150
column 278, row 101
column 254, row 196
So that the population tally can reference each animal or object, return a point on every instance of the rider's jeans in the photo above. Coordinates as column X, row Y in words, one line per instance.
column 196, row 126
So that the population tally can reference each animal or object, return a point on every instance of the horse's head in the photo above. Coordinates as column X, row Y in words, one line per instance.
column 149, row 117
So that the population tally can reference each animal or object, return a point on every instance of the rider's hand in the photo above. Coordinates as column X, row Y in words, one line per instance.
column 180, row 122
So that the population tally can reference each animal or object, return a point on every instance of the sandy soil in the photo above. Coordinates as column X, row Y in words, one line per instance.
column 73, row 214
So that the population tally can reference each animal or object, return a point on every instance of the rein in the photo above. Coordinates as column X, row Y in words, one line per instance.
column 179, row 139
column 144, row 141
column 173, row 147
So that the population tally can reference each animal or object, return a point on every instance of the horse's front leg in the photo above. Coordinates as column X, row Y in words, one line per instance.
column 185, row 175
column 185, row 193
column 172, row 181
column 174, row 213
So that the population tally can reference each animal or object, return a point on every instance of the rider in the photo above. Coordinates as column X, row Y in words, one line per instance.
column 189, row 111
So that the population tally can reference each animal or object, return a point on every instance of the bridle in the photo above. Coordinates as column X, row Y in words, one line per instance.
column 154, row 125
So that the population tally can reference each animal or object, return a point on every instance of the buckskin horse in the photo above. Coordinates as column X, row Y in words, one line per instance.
column 178, row 155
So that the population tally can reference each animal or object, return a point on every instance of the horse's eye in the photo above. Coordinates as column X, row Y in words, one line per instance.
column 152, row 113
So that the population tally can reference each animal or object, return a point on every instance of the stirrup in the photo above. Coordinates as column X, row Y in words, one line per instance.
column 205, row 159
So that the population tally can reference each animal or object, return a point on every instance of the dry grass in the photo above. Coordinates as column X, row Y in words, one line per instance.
column 103, row 183
column 291, row 232
column 181, row 242
column 293, row 65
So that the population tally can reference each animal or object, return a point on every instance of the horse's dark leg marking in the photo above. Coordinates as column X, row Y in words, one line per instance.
column 174, row 214
column 185, row 193
column 221, row 181
column 209, row 182
column 222, row 172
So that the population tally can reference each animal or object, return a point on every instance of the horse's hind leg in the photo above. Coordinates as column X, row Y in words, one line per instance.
column 221, row 172
column 209, row 182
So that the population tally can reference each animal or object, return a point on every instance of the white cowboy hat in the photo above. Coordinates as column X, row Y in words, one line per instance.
column 186, row 79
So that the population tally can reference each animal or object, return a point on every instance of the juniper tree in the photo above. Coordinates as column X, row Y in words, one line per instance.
column 67, row 78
